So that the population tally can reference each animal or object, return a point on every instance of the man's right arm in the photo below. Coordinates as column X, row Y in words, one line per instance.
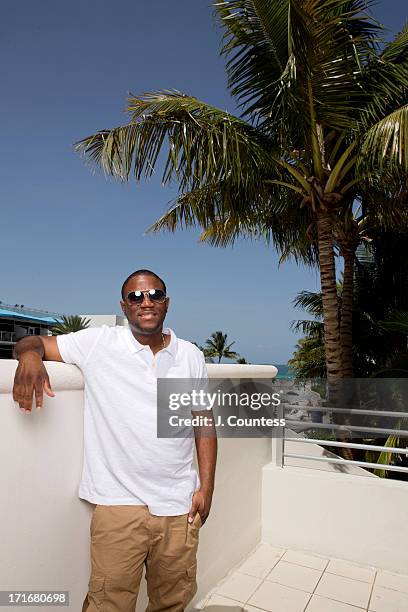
column 31, row 377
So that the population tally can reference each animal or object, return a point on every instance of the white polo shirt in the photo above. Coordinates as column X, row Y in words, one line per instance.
column 124, row 461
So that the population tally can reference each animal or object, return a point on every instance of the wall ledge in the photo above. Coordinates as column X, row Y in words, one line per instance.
column 67, row 377
column 63, row 376
column 348, row 479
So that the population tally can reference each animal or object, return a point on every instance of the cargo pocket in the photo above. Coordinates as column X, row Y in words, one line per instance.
column 172, row 587
column 96, row 591
column 191, row 583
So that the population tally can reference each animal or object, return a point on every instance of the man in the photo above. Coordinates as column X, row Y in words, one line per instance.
column 149, row 500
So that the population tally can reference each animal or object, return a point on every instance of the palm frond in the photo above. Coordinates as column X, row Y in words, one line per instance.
column 283, row 54
column 387, row 458
column 309, row 359
column 385, row 79
column 200, row 207
column 203, row 142
column 308, row 327
column 227, row 213
column 310, row 301
column 70, row 323
column 255, row 41
column 385, row 146
column 398, row 323
column 217, row 203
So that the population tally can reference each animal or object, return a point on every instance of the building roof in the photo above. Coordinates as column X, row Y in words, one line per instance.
column 28, row 316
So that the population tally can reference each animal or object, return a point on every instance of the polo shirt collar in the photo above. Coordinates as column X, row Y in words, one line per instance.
column 135, row 346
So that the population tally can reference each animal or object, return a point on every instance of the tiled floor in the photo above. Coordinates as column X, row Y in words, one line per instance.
column 277, row 580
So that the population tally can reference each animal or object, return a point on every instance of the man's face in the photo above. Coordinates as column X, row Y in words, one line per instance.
column 145, row 318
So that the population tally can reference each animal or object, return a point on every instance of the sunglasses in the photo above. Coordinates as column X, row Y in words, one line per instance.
column 155, row 295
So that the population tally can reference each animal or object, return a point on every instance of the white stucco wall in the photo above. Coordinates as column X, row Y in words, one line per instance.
column 333, row 514
column 44, row 526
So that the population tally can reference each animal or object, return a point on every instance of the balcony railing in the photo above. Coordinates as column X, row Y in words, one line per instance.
column 7, row 336
column 301, row 427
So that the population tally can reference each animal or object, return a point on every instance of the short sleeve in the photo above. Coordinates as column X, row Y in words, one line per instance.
column 199, row 381
column 202, row 368
column 77, row 346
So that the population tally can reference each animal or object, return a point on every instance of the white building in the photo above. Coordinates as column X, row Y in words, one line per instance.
column 110, row 320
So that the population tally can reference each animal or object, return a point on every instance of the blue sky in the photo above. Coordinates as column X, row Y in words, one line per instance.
column 68, row 236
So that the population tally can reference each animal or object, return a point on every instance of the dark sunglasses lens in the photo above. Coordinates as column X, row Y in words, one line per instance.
column 157, row 295
column 136, row 297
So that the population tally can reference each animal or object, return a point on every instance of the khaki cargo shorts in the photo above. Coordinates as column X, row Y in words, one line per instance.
column 124, row 539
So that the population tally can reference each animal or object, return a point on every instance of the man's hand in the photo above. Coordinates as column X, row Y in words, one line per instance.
column 200, row 503
column 31, row 377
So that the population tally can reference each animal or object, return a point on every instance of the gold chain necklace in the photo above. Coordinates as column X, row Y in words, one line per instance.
column 163, row 341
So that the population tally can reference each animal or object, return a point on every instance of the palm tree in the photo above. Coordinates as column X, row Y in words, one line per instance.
column 309, row 359
column 208, row 358
column 380, row 307
column 216, row 346
column 323, row 108
column 241, row 360
column 71, row 323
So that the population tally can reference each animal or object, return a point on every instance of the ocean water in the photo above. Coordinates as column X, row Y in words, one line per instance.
column 283, row 371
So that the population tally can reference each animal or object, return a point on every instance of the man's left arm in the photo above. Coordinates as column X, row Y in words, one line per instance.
column 206, row 446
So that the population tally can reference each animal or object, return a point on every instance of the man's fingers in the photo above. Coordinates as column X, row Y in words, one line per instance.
column 47, row 388
column 193, row 510
column 16, row 393
column 38, row 391
column 18, row 398
column 23, row 394
column 28, row 397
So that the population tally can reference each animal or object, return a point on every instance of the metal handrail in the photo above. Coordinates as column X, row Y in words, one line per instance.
column 403, row 433
column 388, row 449
column 390, row 413
column 278, row 447
column 374, row 466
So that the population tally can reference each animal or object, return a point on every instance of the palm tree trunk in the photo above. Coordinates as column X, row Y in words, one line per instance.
column 346, row 316
column 331, row 322
column 329, row 293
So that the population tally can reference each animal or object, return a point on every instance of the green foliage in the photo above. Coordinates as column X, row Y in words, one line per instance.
column 241, row 360
column 309, row 358
column 399, row 323
column 381, row 292
column 70, row 324
column 278, row 50
column 216, row 347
